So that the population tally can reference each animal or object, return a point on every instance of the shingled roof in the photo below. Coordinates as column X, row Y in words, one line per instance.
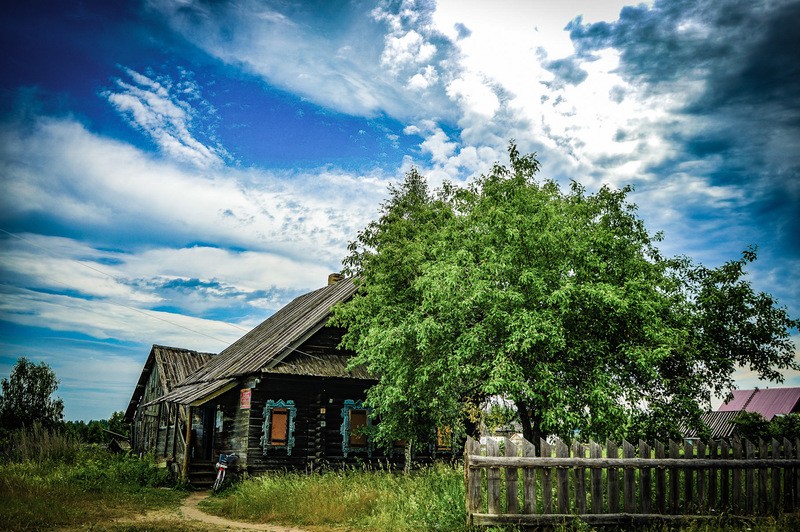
column 175, row 365
column 267, row 345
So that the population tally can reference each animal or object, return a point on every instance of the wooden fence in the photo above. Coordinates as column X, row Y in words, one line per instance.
column 510, row 484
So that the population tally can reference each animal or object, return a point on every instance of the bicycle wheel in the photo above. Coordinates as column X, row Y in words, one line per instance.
column 220, row 479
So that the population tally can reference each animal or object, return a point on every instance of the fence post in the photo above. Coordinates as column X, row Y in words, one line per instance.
column 661, row 482
column 613, row 479
column 644, row 475
column 712, row 477
column 579, row 450
column 688, row 478
column 597, row 479
column 528, row 480
column 750, row 479
column 474, row 503
column 762, row 478
column 512, row 477
column 775, row 499
column 493, row 479
column 737, row 477
column 629, row 476
column 788, row 477
column 674, row 473
column 547, row 485
column 702, row 474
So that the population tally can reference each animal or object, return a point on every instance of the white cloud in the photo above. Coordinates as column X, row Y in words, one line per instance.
column 157, row 107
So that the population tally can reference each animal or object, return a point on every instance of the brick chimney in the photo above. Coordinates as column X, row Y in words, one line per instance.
column 335, row 278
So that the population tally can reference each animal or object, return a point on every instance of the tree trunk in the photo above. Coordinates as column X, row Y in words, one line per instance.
column 531, row 423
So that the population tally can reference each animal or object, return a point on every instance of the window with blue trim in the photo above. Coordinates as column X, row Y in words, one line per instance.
column 278, row 427
column 355, row 422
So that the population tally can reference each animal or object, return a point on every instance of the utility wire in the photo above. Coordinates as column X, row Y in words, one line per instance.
column 112, row 277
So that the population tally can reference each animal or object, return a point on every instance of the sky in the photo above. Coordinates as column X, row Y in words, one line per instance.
column 175, row 171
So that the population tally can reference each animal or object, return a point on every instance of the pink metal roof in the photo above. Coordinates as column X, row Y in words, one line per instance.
column 768, row 402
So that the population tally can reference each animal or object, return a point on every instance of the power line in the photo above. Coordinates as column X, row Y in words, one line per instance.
column 113, row 278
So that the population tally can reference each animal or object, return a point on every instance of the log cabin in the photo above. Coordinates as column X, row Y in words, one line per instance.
column 282, row 397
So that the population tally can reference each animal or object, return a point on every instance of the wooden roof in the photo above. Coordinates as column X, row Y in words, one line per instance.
column 271, row 347
column 175, row 365
column 275, row 338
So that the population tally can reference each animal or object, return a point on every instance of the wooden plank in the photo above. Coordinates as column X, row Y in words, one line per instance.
column 612, row 451
column 688, row 480
column 674, row 474
column 562, row 475
column 603, row 463
column 702, row 475
column 512, row 480
column 493, row 479
column 711, row 503
column 736, row 483
column 473, row 477
column 763, row 479
column 724, row 479
column 750, row 480
column 547, row 483
column 775, row 493
column 622, row 521
column 579, row 450
column 596, row 453
column 528, row 481
column 645, row 493
column 629, row 480
column 788, row 477
column 661, row 481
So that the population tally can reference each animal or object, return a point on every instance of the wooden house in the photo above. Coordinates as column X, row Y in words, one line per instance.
column 153, row 426
column 281, row 397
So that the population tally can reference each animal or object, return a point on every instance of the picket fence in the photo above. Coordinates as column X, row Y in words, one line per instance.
column 510, row 484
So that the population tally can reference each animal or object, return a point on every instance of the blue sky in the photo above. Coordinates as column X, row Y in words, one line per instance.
column 175, row 171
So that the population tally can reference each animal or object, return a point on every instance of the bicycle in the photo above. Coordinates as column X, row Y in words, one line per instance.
column 225, row 461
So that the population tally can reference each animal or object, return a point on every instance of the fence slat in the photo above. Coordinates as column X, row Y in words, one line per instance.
column 775, row 497
column 528, row 481
column 702, row 495
column 724, row 480
column 629, row 480
column 473, row 478
column 674, row 473
column 750, row 479
column 661, row 482
column 512, row 480
column 736, row 484
column 595, row 451
column 762, row 478
column 713, row 449
column 547, row 483
column 644, row 475
column 613, row 479
column 688, row 480
column 579, row 450
column 493, row 479
column 788, row 476
column 562, row 488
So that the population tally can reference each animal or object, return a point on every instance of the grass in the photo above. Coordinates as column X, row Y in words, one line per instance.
column 56, row 484
column 428, row 499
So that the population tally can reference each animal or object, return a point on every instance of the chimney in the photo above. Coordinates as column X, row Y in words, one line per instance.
column 335, row 278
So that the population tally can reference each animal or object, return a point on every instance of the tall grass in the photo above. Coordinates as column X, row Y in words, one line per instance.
column 38, row 444
column 429, row 499
column 91, row 487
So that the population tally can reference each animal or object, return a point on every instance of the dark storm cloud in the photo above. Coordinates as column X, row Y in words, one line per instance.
column 733, row 69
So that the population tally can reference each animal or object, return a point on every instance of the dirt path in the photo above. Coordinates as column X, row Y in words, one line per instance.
column 189, row 516
column 190, row 510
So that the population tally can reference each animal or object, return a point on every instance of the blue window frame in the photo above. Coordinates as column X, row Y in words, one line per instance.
column 355, row 419
column 278, row 427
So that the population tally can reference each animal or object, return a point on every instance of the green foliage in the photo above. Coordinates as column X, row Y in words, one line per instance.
column 27, row 397
column 558, row 300
column 92, row 488
column 429, row 499
column 41, row 445
column 753, row 426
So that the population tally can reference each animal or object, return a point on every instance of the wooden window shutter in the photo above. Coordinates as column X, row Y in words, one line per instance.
column 279, row 427
column 358, row 419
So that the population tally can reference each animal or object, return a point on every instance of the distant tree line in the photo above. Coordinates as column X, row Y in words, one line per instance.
column 28, row 399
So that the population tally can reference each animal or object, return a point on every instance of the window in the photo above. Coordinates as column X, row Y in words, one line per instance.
column 444, row 440
column 278, row 428
column 355, row 420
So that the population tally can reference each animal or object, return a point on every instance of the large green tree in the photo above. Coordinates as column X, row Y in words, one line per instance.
column 557, row 300
column 27, row 397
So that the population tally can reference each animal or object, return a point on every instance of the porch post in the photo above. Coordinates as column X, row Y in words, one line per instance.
column 185, row 468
